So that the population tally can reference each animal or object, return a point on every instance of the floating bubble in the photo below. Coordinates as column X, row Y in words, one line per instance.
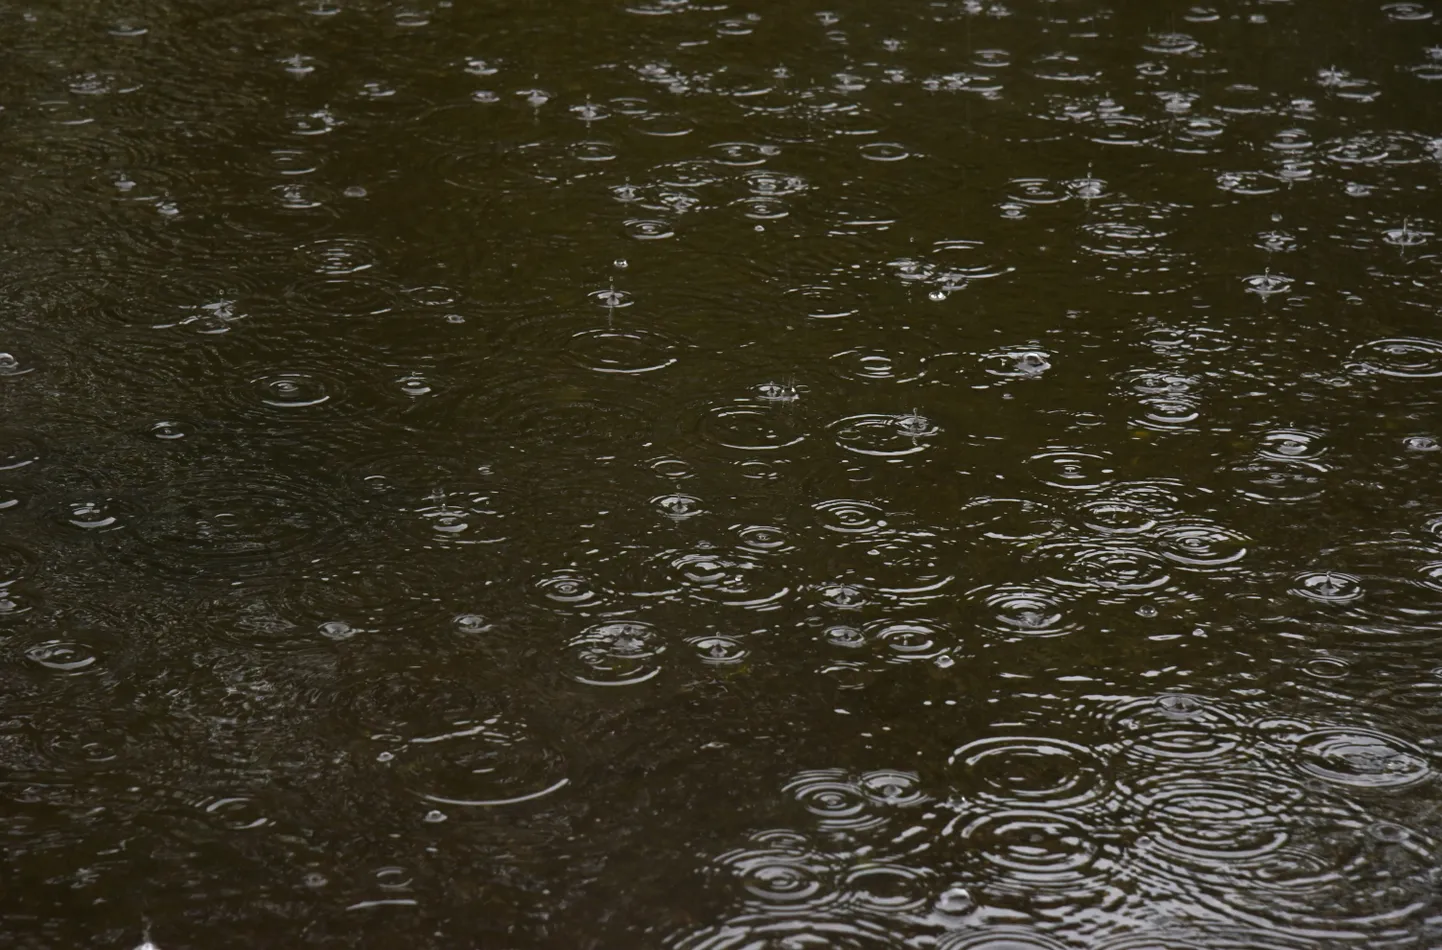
column 1017, row 362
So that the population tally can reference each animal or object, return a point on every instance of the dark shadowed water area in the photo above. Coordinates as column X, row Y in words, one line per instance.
column 846, row 474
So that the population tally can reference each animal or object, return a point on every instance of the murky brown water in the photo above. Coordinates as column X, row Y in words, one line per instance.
column 956, row 475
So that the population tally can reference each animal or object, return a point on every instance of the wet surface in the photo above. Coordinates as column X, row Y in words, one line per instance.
column 957, row 475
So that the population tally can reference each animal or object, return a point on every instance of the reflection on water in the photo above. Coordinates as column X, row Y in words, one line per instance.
column 955, row 475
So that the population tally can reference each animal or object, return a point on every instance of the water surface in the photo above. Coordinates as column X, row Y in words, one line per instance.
column 956, row 475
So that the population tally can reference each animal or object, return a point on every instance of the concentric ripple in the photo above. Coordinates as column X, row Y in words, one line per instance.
column 625, row 351
column 1202, row 546
column 479, row 763
column 1360, row 758
column 747, row 427
column 622, row 653
column 1071, row 468
column 1016, row 610
column 1403, row 358
column 885, row 436
column 1027, row 771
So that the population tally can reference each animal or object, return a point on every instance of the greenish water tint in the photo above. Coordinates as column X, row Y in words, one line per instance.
column 955, row 475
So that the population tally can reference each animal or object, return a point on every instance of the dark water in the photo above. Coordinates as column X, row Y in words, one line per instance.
column 650, row 474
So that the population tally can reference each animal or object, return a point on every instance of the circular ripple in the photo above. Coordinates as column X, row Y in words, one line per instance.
column 884, row 436
column 1213, row 819
column 848, row 516
column 1116, row 567
column 908, row 641
column 887, row 888
column 750, row 428
column 730, row 578
column 615, row 654
column 1287, row 444
column 1359, row 758
column 1027, row 771
column 63, row 656
column 1044, row 848
column 236, row 523
column 628, row 352
column 1011, row 519
column 17, row 451
column 1202, row 546
column 791, row 932
column 479, row 763
column 1000, row 938
column 1328, row 587
column 460, row 517
column 1408, row 358
column 1014, row 610
column 568, row 589
column 1017, row 362
column 291, row 390
column 1109, row 516
column 1174, row 727
column 831, row 797
column 1071, row 468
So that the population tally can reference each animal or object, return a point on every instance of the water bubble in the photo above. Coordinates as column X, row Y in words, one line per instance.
column 337, row 630
column 1017, row 362
column 1420, row 443
column 621, row 653
column 471, row 623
